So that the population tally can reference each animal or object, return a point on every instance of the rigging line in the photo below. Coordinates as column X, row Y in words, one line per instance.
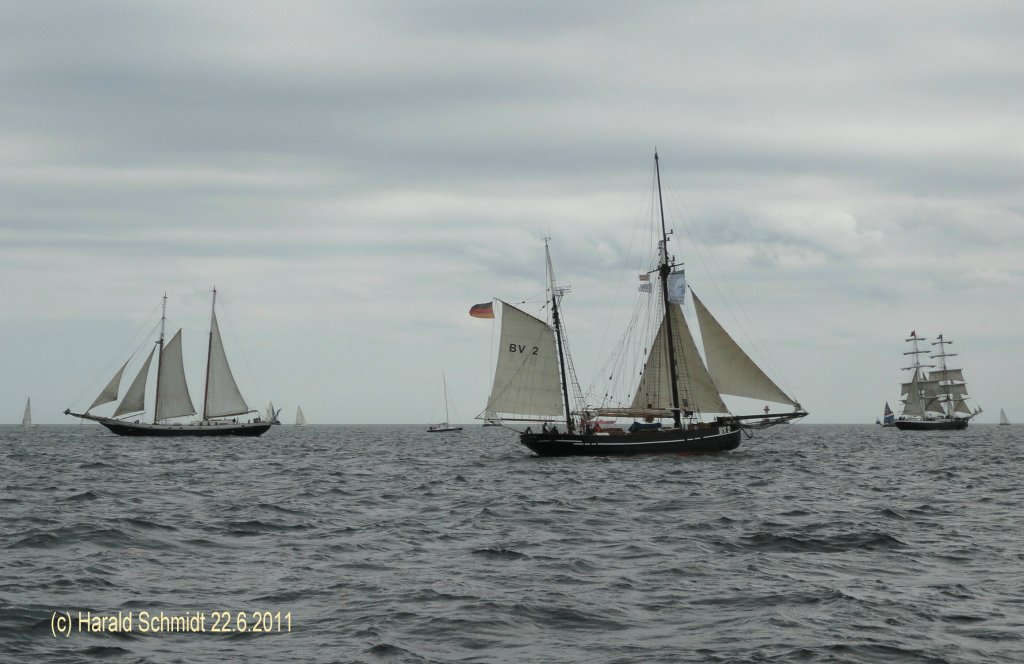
column 238, row 345
column 765, row 439
column 640, row 259
column 717, row 274
column 131, row 342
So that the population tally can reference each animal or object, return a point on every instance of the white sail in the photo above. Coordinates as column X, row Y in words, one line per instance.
column 300, row 419
column 913, row 404
column 732, row 369
column 956, row 375
column 1003, row 419
column 135, row 398
column 173, row 399
column 526, row 379
column 930, row 395
column 697, row 392
column 222, row 395
column 26, row 419
column 109, row 392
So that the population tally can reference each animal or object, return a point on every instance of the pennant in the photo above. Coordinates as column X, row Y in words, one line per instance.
column 645, row 277
column 485, row 310
column 645, row 288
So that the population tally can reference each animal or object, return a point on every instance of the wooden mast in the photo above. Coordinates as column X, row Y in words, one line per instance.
column 558, row 336
column 159, row 358
column 663, row 271
column 209, row 350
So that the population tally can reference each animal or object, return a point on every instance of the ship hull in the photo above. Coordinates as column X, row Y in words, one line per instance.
column 208, row 428
column 704, row 440
column 932, row 425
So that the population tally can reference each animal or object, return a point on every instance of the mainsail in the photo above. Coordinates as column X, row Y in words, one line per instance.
column 135, row 398
column 697, row 391
column 526, row 385
column 26, row 419
column 173, row 399
column 732, row 370
column 222, row 395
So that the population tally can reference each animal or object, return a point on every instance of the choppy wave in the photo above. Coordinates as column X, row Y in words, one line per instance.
column 384, row 544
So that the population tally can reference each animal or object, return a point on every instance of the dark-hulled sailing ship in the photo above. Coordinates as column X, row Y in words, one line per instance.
column 934, row 399
column 677, row 406
column 222, row 398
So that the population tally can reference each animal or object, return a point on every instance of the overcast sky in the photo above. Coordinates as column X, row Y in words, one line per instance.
column 352, row 176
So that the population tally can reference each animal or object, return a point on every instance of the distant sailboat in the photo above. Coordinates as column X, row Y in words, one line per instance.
column 26, row 419
column 1003, row 419
column 444, row 426
column 888, row 417
column 936, row 399
column 300, row 419
column 222, row 399
column 272, row 414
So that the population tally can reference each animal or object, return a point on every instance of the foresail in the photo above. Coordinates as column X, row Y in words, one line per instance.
column 697, row 392
column 109, row 392
column 135, row 398
column 526, row 379
column 222, row 395
column 173, row 399
column 730, row 367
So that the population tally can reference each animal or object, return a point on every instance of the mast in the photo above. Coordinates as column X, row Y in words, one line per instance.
column 209, row 351
column 558, row 337
column 159, row 356
column 444, row 384
column 946, row 384
column 663, row 272
column 915, row 393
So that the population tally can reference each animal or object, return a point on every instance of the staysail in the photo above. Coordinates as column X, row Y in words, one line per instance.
column 109, row 392
column 135, row 398
column 526, row 385
column 173, row 399
column 697, row 391
column 223, row 397
column 732, row 370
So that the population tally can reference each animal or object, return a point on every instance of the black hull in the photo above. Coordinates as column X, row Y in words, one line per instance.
column 211, row 428
column 706, row 440
column 932, row 425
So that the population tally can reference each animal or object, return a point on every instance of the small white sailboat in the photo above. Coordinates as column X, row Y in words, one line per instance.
column 272, row 414
column 26, row 419
column 222, row 398
column 444, row 426
column 300, row 419
column 1003, row 419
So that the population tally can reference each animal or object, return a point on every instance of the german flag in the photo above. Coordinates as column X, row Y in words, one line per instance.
column 485, row 310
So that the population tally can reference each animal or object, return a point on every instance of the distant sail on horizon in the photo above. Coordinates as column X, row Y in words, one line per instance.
column 26, row 419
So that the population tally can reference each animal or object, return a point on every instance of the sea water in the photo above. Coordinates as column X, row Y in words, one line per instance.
column 391, row 544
